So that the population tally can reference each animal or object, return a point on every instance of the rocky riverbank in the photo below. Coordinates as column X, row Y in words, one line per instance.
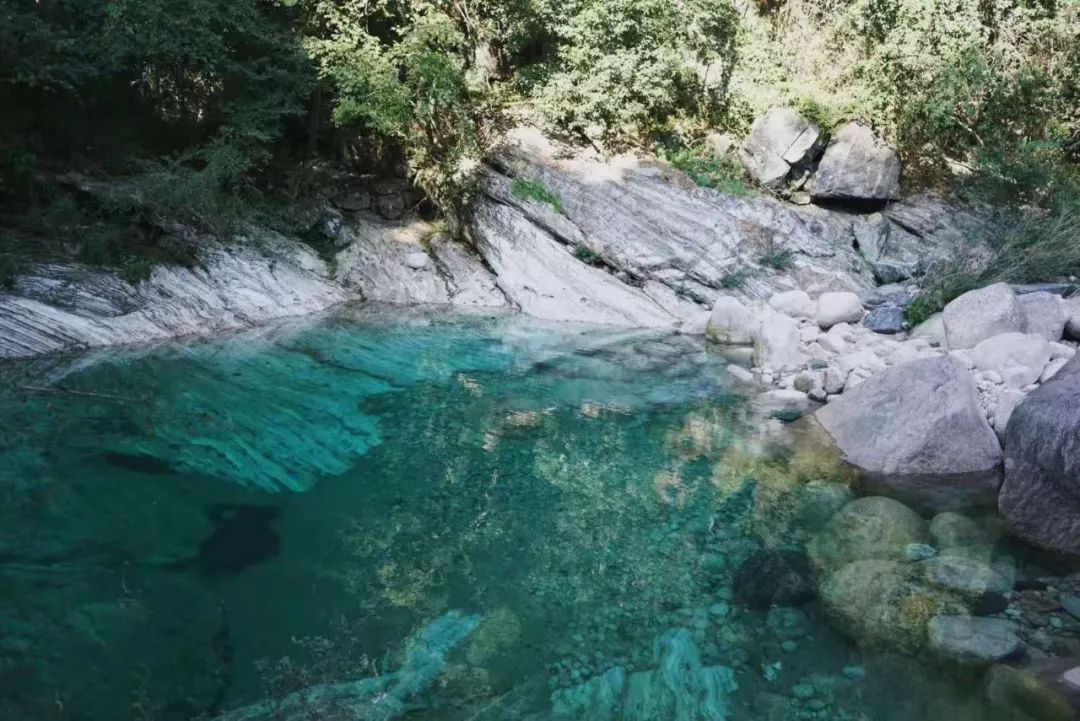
column 973, row 409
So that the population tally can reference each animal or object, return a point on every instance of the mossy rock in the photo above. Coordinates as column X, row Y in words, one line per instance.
column 867, row 528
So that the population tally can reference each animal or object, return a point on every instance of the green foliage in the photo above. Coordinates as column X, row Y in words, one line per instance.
column 536, row 190
column 779, row 259
column 735, row 280
column 1036, row 246
column 709, row 170
column 626, row 67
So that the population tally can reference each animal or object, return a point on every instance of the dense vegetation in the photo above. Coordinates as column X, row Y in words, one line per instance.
column 212, row 105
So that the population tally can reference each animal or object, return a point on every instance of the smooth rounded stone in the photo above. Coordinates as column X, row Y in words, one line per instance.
column 919, row 551
column 833, row 343
column 981, row 314
column 774, row 577
column 803, row 691
column 966, row 576
column 808, row 381
column 780, row 144
column 887, row 320
column 818, row 502
column 787, row 623
column 730, row 322
column 932, row 329
column 867, row 528
column 974, row 640
column 856, row 166
column 951, row 530
column 786, row 405
column 1044, row 314
column 795, row 303
column 833, row 380
column 838, row 307
column 1040, row 497
column 418, row 260
column 893, row 271
column 917, row 431
column 777, row 342
column 872, row 602
column 1023, row 692
column 1019, row 356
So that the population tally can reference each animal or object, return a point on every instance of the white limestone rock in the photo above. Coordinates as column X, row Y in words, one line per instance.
column 842, row 307
column 1018, row 357
column 731, row 322
column 981, row 314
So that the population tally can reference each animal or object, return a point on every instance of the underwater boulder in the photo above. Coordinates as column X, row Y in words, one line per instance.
column 867, row 528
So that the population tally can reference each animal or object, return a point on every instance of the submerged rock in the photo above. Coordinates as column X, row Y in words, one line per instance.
column 679, row 688
column 867, row 528
column 974, row 640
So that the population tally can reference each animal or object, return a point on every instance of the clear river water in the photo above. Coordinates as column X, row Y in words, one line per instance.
column 380, row 515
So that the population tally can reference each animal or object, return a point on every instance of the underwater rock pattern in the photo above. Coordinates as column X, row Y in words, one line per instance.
column 680, row 688
column 380, row 698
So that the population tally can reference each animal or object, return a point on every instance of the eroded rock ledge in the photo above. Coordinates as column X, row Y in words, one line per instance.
column 629, row 242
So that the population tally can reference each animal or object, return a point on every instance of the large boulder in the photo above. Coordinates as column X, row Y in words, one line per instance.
column 867, row 528
column 1040, row 498
column 981, row 314
column 857, row 166
column 916, row 431
column 730, row 322
column 842, row 307
column 1044, row 314
column 777, row 342
column 780, row 148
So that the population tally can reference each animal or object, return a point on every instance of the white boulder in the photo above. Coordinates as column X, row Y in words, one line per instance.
column 776, row 342
column 1044, row 314
column 796, row 303
column 981, row 314
column 730, row 322
column 1018, row 357
column 839, row 307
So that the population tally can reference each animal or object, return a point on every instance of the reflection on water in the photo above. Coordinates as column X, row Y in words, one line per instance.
column 474, row 519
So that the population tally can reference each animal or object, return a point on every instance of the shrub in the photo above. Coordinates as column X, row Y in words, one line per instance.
column 735, row 279
column 779, row 259
column 720, row 172
column 625, row 67
column 536, row 190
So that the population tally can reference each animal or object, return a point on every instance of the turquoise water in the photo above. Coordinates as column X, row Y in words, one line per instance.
column 463, row 518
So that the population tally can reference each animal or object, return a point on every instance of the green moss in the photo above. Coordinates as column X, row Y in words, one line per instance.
column 779, row 259
column 536, row 190
column 734, row 280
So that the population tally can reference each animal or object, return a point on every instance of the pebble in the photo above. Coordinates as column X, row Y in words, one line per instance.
column 802, row 691
column 789, row 646
column 854, row 672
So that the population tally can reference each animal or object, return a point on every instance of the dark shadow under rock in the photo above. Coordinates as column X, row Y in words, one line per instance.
column 775, row 577
column 243, row 536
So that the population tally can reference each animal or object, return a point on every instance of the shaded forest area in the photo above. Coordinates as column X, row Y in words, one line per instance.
column 213, row 110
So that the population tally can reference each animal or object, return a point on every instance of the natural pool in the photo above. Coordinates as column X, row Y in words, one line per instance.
column 380, row 515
